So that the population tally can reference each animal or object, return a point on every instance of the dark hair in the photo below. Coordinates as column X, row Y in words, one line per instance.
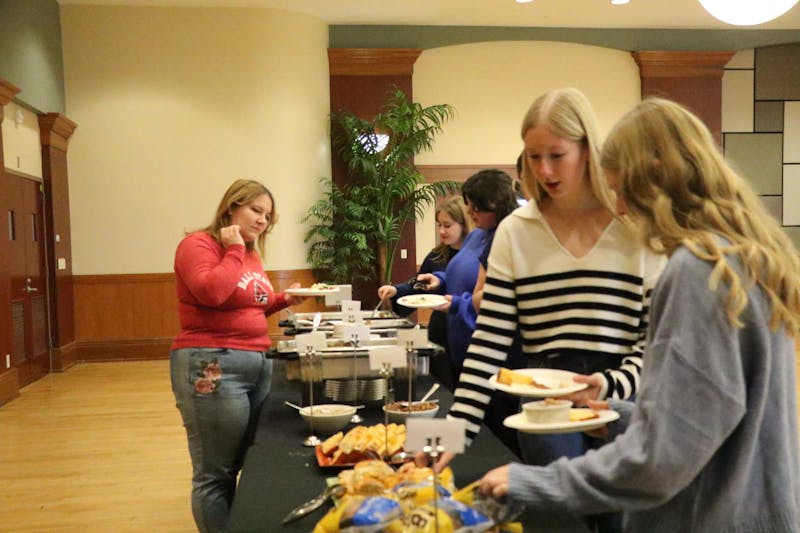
column 491, row 190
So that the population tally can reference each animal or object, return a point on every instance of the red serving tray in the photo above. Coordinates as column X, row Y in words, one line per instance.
column 325, row 462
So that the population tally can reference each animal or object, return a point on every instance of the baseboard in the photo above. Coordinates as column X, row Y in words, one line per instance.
column 9, row 386
column 123, row 350
column 65, row 356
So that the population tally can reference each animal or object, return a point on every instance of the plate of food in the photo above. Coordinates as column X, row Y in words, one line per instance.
column 422, row 301
column 317, row 289
column 579, row 420
column 536, row 382
column 361, row 443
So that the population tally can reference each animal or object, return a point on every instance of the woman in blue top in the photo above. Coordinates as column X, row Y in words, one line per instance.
column 490, row 197
column 452, row 226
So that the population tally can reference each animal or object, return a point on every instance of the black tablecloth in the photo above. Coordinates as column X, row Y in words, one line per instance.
column 279, row 473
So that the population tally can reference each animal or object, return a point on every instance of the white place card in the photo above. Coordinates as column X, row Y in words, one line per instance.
column 310, row 341
column 412, row 338
column 445, row 432
column 394, row 356
column 356, row 331
column 345, row 292
column 351, row 312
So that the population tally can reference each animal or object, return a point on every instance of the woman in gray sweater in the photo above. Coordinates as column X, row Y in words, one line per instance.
column 712, row 441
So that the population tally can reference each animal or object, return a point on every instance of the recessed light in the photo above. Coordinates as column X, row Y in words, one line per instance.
column 620, row 2
column 524, row 1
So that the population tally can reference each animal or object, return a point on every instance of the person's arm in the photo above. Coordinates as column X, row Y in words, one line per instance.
column 283, row 300
column 477, row 293
column 494, row 333
column 692, row 397
column 622, row 382
column 211, row 280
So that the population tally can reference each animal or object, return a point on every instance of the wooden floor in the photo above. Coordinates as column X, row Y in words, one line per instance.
column 99, row 448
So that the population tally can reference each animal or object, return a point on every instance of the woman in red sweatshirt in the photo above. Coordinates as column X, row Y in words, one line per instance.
column 220, row 376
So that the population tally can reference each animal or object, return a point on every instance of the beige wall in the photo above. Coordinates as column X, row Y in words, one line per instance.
column 172, row 104
column 491, row 85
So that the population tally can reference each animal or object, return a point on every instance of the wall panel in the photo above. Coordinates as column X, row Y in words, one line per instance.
column 134, row 316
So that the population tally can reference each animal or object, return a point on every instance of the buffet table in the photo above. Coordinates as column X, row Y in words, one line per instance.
column 279, row 473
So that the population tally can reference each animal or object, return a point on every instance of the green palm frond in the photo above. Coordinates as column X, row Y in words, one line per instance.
column 349, row 226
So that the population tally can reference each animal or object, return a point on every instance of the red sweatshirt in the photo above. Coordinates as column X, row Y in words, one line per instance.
column 223, row 296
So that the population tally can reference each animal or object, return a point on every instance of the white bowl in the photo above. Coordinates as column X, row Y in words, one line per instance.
column 547, row 411
column 398, row 416
column 328, row 417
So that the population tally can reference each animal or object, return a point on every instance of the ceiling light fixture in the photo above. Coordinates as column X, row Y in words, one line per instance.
column 747, row 12
column 620, row 2
column 524, row 1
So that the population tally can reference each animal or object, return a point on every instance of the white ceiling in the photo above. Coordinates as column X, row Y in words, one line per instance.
column 687, row 14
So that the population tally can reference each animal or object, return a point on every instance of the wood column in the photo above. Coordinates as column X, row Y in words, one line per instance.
column 360, row 79
column 693, row 79
column 55, row 130
column 9, row 379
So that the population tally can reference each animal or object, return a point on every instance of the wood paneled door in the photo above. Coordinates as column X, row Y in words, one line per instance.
column 28, row 286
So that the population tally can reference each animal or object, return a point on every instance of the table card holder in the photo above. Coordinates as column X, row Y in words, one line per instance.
column 434, row 437
column 412, row 339
column 333, row 299
column 351, row 312
column 382, row 359
column 307, row 345
column 357, row 334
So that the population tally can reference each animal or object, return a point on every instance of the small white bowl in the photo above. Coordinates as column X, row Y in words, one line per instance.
column 547, row 411
column 328, row 417
column 398, row 416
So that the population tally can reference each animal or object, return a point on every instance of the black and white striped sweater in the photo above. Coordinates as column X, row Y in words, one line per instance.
column 595, row 304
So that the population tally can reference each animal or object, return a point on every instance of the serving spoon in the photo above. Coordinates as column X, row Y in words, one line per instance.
column 295, row 406
column 427, row 395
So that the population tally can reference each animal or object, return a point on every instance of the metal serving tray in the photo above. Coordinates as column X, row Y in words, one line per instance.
column 342, row 348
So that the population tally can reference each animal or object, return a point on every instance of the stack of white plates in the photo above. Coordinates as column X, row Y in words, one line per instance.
column 344, row 390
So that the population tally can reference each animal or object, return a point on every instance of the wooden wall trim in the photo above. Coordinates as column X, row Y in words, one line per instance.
column 434, row 173
column 137, row 308
column 7, row 92
column 665, row 64
column 372, row 61
column 9, row 386
column 55, row 130
column 104, row 279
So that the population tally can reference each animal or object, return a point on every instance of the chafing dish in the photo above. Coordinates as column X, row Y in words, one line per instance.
column 339, row 358
column 377, row 321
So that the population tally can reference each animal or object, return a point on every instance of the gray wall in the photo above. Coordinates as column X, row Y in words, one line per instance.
column 30, row 52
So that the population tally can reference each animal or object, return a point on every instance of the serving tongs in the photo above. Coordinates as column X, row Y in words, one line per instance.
column 334, row 491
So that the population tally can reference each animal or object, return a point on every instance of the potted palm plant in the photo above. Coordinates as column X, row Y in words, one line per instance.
column 354, row 230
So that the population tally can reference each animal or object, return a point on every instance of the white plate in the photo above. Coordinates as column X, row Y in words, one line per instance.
column 558, row 383
column 422, row 301
column 520, row 423
column 311, row 292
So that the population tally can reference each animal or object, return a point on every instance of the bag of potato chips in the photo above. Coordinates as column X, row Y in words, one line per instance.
column 362, row 515
column 453, row 517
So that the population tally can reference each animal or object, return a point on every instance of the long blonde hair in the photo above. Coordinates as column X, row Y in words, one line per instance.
column 569, row 115
column 241, row 192
column 681, row 191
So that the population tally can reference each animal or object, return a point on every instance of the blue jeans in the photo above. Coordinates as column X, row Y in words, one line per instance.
column 219, row 393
